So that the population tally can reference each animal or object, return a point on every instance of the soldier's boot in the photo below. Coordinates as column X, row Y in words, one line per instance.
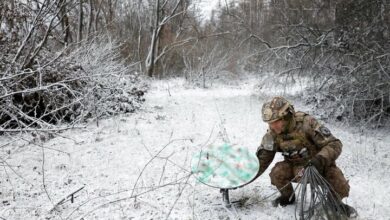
column 284, row 200
column 342, row 208
column 348, row 210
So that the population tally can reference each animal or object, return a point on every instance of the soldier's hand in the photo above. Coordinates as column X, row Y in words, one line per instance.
column 318, row 162
column 301, row 172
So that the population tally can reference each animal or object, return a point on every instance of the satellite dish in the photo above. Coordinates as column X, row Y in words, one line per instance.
column 225, row 166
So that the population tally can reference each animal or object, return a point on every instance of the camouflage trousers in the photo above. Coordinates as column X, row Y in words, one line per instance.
column 283, row 172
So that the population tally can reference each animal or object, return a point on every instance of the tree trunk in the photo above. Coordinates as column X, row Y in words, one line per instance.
column 99, row 8
column 90, row 22
column 153, row 44
column 64, row 22
column 139, row 42
column 80, row 28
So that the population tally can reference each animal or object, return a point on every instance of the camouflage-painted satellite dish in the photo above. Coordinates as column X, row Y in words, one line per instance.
column 225, row 166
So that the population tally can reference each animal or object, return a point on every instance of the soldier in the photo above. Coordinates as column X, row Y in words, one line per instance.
column 302, row 140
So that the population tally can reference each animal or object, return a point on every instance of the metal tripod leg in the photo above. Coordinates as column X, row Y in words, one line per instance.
column 225, row 197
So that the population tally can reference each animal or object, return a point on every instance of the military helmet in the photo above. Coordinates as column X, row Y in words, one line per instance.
column 276, row 109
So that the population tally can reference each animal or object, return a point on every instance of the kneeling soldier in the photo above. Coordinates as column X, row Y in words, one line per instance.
column 302, row 140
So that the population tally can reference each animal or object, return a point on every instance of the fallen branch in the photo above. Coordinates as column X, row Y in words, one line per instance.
column 67, row 198
column 130, row 197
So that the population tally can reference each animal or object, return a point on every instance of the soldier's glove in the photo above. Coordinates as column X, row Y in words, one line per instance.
column 318, row 162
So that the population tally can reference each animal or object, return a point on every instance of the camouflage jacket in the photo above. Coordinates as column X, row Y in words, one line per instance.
column 304, row 138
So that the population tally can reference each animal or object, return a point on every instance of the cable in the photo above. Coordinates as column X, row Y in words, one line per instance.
column 320, row 201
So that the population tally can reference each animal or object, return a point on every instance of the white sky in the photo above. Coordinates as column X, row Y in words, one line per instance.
column 207, row 6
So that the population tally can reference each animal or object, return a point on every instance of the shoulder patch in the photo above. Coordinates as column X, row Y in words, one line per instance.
column 325, row 131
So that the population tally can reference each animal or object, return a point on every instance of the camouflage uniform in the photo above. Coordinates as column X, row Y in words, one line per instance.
column 302, row 139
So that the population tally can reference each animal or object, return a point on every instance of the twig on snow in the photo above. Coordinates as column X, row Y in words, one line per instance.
column 178, row 197
column 156, row 155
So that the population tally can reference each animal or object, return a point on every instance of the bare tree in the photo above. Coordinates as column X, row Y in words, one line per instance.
column 64, row 21
column 160, row 21
column 80, row 26
column 328, row 42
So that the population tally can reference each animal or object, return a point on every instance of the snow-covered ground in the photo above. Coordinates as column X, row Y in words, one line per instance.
column 137, row 166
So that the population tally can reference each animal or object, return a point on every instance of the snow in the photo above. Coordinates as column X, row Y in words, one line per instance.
column 158, row 141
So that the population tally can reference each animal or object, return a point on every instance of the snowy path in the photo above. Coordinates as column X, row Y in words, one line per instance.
column 175, row 122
